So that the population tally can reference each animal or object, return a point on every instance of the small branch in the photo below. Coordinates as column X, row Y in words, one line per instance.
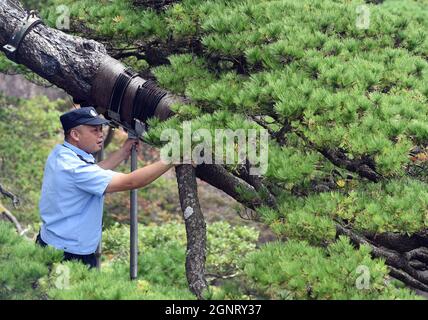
column 218, row 276
column 263, row 124
column 257, row 183
column 15, row 199
column 365, row 167
column 124, row 54
column 397, row 241
column 157, row 5
column 12, row 219
column 419, row 254
column 279, row 136
column 360, row 166
column 401, row 275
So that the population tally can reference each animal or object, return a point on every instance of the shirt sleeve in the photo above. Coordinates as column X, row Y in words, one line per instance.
column 92, row 178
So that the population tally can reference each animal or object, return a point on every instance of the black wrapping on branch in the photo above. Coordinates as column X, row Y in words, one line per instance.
column 146, row 100
column 119, row 89
column 11, row 48
column 124, row 97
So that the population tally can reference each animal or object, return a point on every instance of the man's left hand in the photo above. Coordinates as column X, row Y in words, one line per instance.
column 127, row 147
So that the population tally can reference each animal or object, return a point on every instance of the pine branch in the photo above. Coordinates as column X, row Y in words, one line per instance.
column 364, row 167
column 257, row 183
column 279, row 135
column 219, row 177
column 12, row 219
column 399, row 242
column 157, row 5
column 408, row 267
column 403, row 276
column 14, row 198
column 402, row 265
column 7, row 213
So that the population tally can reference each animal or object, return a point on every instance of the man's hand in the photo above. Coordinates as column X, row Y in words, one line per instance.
column 117, row 157
column 126, row 148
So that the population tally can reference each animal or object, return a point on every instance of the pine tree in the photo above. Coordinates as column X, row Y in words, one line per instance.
column 342, row 89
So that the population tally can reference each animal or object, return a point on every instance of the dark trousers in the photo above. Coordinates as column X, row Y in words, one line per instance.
column 87, row 259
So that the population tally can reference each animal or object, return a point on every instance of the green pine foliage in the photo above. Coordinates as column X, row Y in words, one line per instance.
column 294, row 67
column 22, row 264
column 395, row 206
column 113, row 283
column 307, row 272
column 161, row 264
column 338, row 272
column 109, row 18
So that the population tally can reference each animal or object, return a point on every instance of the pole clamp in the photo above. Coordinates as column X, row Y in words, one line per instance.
column 11, row 49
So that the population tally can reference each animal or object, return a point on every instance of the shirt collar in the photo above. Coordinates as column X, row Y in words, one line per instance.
column 87, row 156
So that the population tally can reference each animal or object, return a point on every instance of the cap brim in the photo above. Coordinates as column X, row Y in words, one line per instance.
column 96, row 122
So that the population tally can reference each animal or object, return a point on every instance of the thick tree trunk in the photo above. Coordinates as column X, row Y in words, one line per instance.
column 195, row 228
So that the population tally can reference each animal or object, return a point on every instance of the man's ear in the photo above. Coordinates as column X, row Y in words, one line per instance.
column 74, row 134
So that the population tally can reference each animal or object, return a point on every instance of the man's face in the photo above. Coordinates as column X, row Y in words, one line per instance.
column 89, row 138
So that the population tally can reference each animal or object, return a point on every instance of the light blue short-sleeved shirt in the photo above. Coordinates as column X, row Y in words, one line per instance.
column 71, row 202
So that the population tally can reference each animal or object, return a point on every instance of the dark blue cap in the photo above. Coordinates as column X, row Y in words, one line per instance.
column 80, row 116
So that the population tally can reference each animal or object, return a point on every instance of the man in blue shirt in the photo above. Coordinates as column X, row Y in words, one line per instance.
column 73, row 189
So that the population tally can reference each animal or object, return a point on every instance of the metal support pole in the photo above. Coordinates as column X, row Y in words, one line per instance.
column 100, row 157
column 134, row 219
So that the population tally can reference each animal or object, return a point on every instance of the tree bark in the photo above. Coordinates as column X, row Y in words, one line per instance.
column 66, row 61
column 238, row 189
column 195, row 229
